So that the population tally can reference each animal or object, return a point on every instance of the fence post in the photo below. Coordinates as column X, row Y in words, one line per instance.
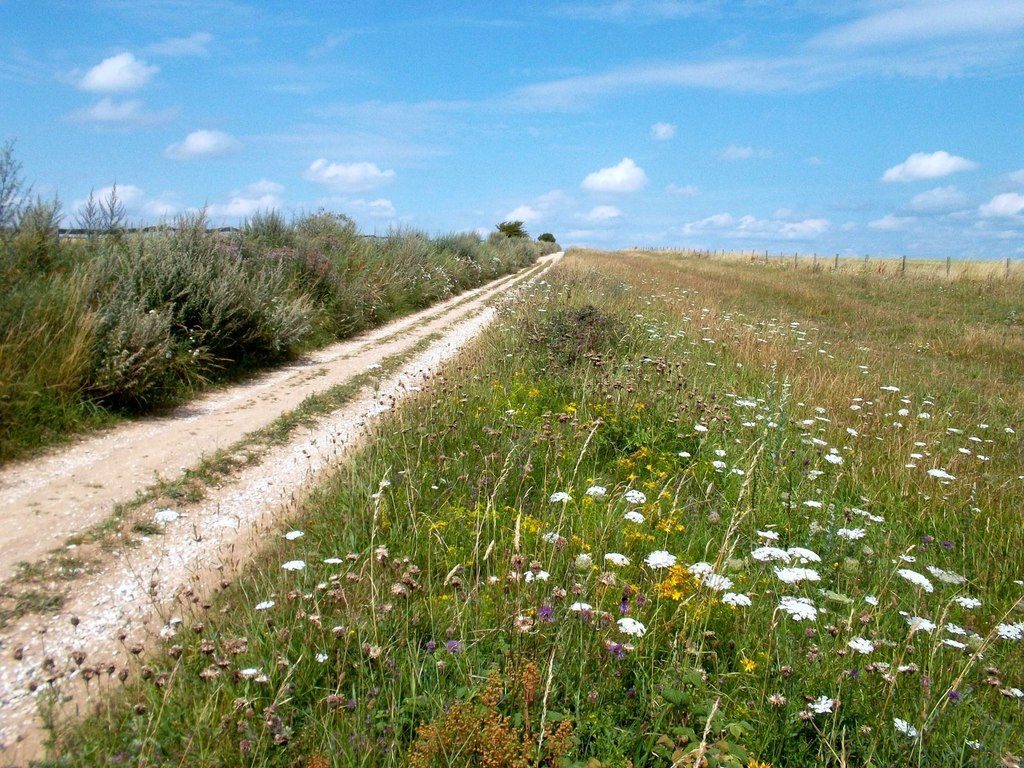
column 814, row 261
column 794, row 260
column 865, row 261
column 836, row 263
column 765, row 255
column 903, row 265
column 1007, row 267
column 949, row 264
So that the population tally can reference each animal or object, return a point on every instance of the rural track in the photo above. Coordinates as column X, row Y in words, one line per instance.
column 132, row 595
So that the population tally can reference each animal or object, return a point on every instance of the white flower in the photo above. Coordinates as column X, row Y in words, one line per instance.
column 767, row 554
column 812, row 504
column 699, row 428
column 166, row 516
column 822, row 705
column 631, row 627
column 294, row 565
column 660, row 559
column 293, row 535
column 941, row 474
column 799, row 608
column 580, row 607
column 804, row 555
column 794, row 575
column 716, row 581
column 559, row 496
column 954, row 643
column 538, row 576
column 769, row 535
column 583, row 562
column 918, row 579
column 551, row 537
column 635, row 497
column 321, row 657
column 967, row 602
column 861, row 645
column 596, row 491
column 249, row 672
column 851, row 534
column 700, row 569
column 920, row 624
column 946, row 576
column 871, row 600
column 1010, row 631
column 736, row 600
column 617, row 559
column 264, row 605
column 634, row 517
column 905, row 728
column 333, row 560
column 833, row 458
column 953, row 629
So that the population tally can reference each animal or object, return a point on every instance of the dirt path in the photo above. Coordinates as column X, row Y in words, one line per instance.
column 134, row 592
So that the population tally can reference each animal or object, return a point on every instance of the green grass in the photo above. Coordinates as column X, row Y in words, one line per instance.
column 423, row 641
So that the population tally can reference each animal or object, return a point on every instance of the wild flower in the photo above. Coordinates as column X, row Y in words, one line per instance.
column 634, row 517
column 635, row 497
column 919, row 624
column 597, row 491
column 795, row 575
column 265, row 605
column 917, row 579
column 803, row 555
column 631, row 627
column 530, row 576
column 660, row 559
column 940, row 474
column 583, row 562
column 861, row 645
column 736, row 600
column 716, row 581
column 945, row 576
column 559, row 497
column 851, row 534
column 767, row 554
column 822, row 705
column 1010, row 631
column 798, row 608
column 581, row 607
column 769, row 535
column 294, row 565
column 293, row 535
column 616, row 559
column 550, row 537
column 967, row 602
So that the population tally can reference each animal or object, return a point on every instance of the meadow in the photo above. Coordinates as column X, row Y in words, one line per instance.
column 666, row 511
column 116, row 324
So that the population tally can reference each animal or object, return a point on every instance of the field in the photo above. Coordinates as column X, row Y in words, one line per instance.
column 666, row 511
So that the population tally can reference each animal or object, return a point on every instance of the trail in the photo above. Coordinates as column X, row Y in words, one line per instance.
column 133, row 594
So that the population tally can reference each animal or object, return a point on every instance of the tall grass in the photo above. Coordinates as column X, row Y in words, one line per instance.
column 641, row 523
column 119, row 324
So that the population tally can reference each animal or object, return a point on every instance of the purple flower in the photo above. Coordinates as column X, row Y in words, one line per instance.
column 616, row 650
column 350, row 705
column 431, row 646
column 947, row 544
column 546, row 613
column 454, row 646
column 955, row 695
column 624, row 606
column 927, row 539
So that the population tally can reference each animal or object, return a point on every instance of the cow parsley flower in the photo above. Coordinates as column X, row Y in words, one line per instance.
column 616, row 559
column 581, row 607
column 716, row 581
column 736, row 600
column 940, row 474
column 803, row 555
column 905, row 728
column 634, row 517
column 635, row 497
column 294, row 565
column 798, row 608
column 767, row 554
column 660, row 559
column 596, row 491
column 794, row 575
column 559, row 497
column 631, row 627
column 851, row 534
column 861, row 645
column 945, row 576
column 822, row 705
column 967, row 602
column 293, row 535
column 1010, row 631
column 265, row 605
column 917, row 579
column 920, row 624
column 769, row 535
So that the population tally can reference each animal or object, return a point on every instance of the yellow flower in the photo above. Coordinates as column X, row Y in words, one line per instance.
column 749, row 665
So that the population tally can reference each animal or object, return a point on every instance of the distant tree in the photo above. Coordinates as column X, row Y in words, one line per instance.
column 113, row 217
column 12, row 189
column 512, row 229
column 547, row 237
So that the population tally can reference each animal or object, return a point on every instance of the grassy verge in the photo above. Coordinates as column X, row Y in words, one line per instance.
column 643, row 522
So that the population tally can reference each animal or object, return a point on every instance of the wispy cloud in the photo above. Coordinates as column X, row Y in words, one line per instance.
column 636, row 10
column 663, row 131
column 203, row 144
column 734, row 152
column 938, row 200
column 753, row 228
column 348, row 177
column 196, row 44
column 122, row 115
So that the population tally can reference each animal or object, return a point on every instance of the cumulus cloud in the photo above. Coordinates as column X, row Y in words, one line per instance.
column 136, row 202
column 524, row 213
column 891, row 223
column 130, row 113
column 684, row 190
column 1003, row 206
column 752, row 228
column 922, row 165
column 626, row 176
column 938, row 200
column 733, row 152
column 196, row 44
column 603, row 213
column 348, row 177
column 203, row 144
column 663, row 131
column 381, row 208
column 117, row 74
column 262, row 195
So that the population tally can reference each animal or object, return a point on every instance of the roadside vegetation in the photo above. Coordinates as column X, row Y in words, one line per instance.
column 117, row 323
column 665, row 512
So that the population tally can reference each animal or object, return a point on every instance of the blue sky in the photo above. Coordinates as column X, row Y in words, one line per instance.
column 852, row 126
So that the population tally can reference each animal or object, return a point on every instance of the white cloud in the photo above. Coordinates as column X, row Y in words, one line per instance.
column 196, row 44
column 1002, row 206
column 117, row 74
column 752, row 228
column 927, row 20
column 130, row 113
column 261, row 187
column 1017, row 177
column 381, row 208
column 922, row 165
column 663, row 131
column 203, row 144
column 733, row 152
column 626, row 176
column 603, row 213
column 348, row 177
column 524, row 213
column 891, row 223
column 686, row 190
column 938, row 200
column 634, row 10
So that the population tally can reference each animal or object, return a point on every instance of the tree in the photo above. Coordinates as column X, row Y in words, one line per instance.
column 547, row 237
column 12, row 189
column 512, row 229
